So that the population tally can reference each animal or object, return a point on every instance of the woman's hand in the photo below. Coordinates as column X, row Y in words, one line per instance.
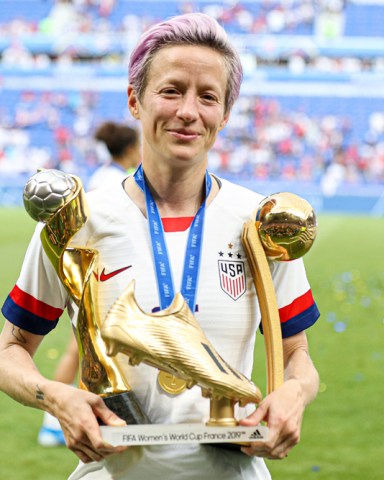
column 77, row 412
column 283, row 411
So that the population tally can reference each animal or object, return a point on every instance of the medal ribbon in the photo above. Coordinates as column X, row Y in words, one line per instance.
column 159, row 247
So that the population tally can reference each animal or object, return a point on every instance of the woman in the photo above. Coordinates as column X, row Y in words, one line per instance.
column 123, row 145
column 184, row 77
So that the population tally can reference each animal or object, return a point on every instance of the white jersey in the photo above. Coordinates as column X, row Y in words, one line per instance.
column 226, row 308
column 107, row 174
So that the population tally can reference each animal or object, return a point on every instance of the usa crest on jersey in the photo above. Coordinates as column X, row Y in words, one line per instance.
column 232, row 277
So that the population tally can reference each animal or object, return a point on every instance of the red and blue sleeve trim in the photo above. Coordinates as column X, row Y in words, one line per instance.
column 298, row 315
column 299, row 305
column 30, row 320
column 33, row 305
column 300, row 322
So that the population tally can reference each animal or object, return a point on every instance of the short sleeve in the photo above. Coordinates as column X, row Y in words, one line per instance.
column 38, row 299
column 297, row 307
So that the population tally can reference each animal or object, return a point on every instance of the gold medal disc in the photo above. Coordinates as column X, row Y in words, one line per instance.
column 171, row 384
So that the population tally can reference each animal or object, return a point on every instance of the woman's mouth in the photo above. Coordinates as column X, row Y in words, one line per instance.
column 184, row 134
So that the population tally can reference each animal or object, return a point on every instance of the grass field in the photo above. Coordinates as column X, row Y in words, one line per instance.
column 343, row 429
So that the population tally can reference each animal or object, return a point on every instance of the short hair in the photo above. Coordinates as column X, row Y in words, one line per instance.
column 117, row 137
column 188, row 29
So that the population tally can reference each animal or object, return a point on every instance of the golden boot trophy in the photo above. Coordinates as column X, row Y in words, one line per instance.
column 58, row 200
column 172, row 340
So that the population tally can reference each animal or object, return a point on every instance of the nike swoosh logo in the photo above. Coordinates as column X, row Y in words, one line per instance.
column 106, row 276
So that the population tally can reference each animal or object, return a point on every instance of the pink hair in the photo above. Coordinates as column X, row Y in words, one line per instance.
column 188, row 29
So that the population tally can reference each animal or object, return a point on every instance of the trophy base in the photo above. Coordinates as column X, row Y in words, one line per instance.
column 183, row 433
column 232, row 447
column 126, row 406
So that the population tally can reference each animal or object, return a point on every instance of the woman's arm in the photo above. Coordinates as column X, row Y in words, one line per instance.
column 284, row 408
column 76, row 410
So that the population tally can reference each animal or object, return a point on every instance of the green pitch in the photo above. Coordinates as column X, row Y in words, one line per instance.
column 342, row 431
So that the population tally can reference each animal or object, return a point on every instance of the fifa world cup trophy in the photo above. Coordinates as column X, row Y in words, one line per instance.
column 58, row 200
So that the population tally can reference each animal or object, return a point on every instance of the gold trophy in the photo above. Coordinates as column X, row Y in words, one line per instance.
column 58, row 200
column 283, row 228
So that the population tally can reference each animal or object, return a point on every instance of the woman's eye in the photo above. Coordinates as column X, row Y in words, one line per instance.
column 209, row 97
column 170, row 91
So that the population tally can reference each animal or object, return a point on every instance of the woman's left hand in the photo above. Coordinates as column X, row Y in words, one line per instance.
column 283, row 411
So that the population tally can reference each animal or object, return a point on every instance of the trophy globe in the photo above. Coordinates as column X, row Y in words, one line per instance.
column 46, row 192
column 287, row 226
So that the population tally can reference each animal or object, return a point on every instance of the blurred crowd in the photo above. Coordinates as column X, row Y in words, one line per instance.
column 263, row 140
column 96, row 16
column 107, row 20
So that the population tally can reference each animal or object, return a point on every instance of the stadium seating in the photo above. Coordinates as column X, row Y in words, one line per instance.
column 318, row 113
column 294, row 18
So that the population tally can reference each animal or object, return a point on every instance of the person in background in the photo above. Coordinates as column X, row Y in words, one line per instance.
column 184, row 77
column 123, row 145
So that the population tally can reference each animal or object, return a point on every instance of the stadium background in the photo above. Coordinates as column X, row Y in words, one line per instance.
column 310, row 120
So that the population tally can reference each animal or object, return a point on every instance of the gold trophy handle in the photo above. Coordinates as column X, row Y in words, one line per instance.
column 283, row 228
column 270, row 320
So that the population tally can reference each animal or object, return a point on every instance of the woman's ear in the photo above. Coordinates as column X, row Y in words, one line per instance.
column 224, row 121
column 133, row 103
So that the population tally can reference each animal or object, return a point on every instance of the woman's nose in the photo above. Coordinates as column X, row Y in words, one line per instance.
column 188, row 108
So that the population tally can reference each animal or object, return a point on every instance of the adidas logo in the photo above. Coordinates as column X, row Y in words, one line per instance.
column 256, row 435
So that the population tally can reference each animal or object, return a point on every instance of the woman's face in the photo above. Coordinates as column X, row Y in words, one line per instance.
column 183, row 106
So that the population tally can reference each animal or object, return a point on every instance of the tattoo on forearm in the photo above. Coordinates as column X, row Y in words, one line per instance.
column 39, row 393
column 17, row 333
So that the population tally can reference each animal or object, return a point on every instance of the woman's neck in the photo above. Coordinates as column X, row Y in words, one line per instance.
column 176, row 195
column 179, row 196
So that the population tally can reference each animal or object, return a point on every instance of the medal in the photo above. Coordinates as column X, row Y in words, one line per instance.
column 167, row 381
column 171, row 384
